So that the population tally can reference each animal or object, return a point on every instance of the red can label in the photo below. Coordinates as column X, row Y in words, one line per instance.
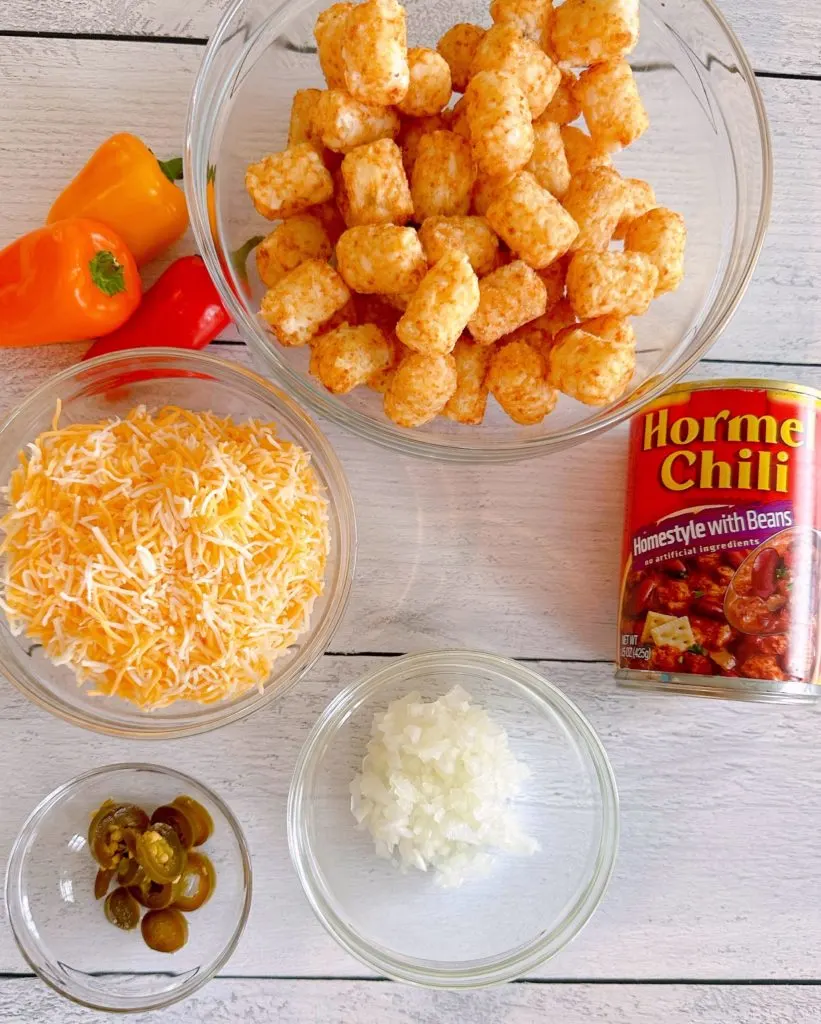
column 721, row 561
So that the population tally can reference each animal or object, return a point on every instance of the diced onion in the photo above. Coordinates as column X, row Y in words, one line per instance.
column 436, row 785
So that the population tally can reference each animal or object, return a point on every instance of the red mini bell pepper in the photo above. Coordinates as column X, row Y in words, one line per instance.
column 181, row 310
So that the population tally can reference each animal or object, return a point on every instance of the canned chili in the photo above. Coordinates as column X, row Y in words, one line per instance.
column 721, row 560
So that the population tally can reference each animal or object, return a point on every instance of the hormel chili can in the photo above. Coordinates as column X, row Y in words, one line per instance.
column 720, row 569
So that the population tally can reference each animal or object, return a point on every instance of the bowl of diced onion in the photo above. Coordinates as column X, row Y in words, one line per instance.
column 453, row 819
column 178, row 544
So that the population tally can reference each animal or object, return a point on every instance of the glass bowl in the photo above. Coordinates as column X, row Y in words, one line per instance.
column 707, row 153
column 60, row 927
column 491, row 929
column 110, row 386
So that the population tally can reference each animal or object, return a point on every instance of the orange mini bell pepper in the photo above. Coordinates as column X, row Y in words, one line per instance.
column 65, row 282
column 125, row 186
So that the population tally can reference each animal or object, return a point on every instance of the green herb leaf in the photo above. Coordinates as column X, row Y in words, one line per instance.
column 107, row 273
column 781, row 571
column 172, row 169
column 696, row 649
column 698, row 593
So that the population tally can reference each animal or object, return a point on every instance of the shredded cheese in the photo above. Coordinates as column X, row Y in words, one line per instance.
column 165, row 556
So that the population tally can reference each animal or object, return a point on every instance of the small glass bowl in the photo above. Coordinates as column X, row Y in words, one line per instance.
column 491, row 929
column 61, row 928
column 707, row 154
column 110, row 386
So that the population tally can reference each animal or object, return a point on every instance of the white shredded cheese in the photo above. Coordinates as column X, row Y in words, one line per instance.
column 436, row 785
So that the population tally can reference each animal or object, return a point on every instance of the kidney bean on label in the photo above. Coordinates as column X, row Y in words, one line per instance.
column 712, row 607
column 764, row 569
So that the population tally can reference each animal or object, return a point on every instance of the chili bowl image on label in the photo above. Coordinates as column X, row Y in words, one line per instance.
column 721, row 563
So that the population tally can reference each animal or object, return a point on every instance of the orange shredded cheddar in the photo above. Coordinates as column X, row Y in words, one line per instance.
column 165, row 556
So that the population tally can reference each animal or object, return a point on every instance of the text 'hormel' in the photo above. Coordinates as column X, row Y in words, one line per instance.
column 748, row 469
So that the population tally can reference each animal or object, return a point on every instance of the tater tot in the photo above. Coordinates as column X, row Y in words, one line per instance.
column 375, row 309
column 346, row 314
column 329, row 216
column 301, row 127
column 532, row 221
column 581, row 151
column 509, row 297
column 287, row 183
column 342, row 123
column 590, row 31
column 430, row 87
column 611, row 328
column 548, row 165
column 604, row 283
column 350, row 356
column 661, row 235
column 329, row 32
column 412, row 130
column 458, row 119
column 292, row 242
column 486, row 189
column 380, row 381
column 458, row 47
column 375, row 52
column 595, row 200
column 556, row 319
column 611, row 104
column 504, row 49
column 470, row 235
column 528, row 16
column 399, row 300
column 501, row 131
column 541, row 333
column 639, row 197
column 468, row 402
column 517, row 379
column 443, row 176
column 439, row 309
column 376, row 187
column 341, row 198
column 300, row 303
column 553, row 278
column 564, row 107
column 420, row 388
column 381, row 258
column 589, row 368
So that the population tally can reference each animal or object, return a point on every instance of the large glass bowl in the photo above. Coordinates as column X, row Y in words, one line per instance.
column 707, row 153
column 60, row 927
column 110, row 386
column 491, row 929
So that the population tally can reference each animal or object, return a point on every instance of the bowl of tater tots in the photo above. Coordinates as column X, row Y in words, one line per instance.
column 478, row 233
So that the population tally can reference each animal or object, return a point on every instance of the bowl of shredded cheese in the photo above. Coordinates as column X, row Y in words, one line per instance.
column 177, row 544
column 453, row 819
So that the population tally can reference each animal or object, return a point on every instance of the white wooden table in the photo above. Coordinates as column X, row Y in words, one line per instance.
column 714, row 912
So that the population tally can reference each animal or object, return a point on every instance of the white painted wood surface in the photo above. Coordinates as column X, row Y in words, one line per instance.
column 781, row 37
column 721, row 803
column 265, row 1001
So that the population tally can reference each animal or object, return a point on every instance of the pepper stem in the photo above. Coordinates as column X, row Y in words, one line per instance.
column 239, row 257
column 107, row 273
column 172, row 169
